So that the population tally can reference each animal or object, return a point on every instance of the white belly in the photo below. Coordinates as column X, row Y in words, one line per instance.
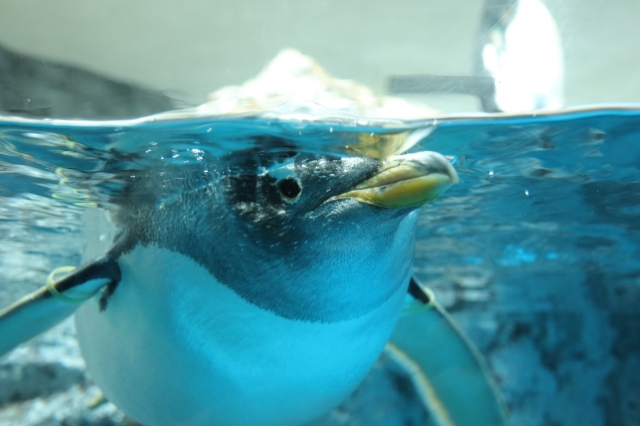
column 175, row 347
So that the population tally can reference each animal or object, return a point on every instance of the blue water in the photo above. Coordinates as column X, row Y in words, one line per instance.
column 535, row 251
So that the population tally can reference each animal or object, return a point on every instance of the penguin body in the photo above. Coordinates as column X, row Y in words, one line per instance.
column 283, row 303
column 257, row 291
column 226, row 362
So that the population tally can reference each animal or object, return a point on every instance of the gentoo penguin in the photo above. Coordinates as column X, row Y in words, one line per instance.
column 259, row 291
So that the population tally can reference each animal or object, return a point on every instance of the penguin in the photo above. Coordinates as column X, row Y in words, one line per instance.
column 259, row 289
column 520, row 48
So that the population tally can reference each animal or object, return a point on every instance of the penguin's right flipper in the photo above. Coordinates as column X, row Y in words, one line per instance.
column 446, row 369
column 52, row 303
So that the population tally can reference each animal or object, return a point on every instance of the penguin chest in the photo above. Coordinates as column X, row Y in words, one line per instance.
column 176, row 347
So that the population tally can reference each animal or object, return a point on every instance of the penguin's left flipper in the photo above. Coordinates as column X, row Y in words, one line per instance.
column 446, row 368
column 54, row 302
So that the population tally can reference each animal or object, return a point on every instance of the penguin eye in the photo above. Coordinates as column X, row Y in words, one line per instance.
column 289, row 188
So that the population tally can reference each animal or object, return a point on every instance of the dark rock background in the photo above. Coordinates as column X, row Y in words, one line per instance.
column 39, row 88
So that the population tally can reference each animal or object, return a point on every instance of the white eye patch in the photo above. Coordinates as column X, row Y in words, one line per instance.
column 283, row 170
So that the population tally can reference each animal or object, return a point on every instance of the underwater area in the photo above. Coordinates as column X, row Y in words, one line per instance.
column 527, row 240
column 534, row 252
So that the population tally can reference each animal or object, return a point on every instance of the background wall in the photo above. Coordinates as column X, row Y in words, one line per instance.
column 190, row 48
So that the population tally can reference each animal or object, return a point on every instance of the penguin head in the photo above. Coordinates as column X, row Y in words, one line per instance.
column 292, row 191
column 283, row 191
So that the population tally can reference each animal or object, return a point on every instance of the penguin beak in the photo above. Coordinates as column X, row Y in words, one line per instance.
column 405, row 181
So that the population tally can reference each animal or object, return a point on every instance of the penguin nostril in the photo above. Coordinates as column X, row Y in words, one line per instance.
column 289, row 188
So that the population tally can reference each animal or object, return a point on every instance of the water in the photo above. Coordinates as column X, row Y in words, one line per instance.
column 535, row 251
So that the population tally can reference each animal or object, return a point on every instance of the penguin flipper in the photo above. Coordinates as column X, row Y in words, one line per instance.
column 52, row 303
column 446, row 368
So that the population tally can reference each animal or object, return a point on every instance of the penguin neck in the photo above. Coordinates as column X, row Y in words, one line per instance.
column 342, row 271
